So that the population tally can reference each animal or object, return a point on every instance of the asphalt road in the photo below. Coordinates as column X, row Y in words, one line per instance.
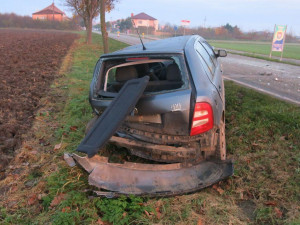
column 277, row 79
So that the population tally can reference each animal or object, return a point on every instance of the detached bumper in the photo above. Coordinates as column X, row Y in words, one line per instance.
column 150, row 179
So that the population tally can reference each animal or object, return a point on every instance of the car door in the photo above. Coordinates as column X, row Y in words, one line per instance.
column 217, row 77
column 211, row 66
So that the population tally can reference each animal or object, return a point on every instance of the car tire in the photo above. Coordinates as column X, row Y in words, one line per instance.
column 221, row 146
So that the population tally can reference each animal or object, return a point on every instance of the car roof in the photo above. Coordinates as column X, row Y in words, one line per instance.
column 168, row 45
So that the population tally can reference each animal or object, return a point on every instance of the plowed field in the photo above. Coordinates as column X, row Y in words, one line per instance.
column 29, row 61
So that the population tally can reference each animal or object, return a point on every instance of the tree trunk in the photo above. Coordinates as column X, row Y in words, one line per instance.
column 89, row 31
column 86, row 29
column 103, row 26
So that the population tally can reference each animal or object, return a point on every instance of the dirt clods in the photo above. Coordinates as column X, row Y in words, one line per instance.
column 29, row 61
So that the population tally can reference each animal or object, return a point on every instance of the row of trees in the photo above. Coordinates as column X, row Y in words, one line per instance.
column 13, row 20
column 226, row 31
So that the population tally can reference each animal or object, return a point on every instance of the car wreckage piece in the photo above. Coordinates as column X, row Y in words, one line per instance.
column 151, row 179
column 108, row 123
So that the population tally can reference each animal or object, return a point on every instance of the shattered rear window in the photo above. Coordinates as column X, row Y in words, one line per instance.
column 166, row 73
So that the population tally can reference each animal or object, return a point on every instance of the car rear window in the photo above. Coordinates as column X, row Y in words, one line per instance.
column 167, row 73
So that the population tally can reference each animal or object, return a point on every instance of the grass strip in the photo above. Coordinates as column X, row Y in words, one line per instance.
column 290, row 50
column 253, row 55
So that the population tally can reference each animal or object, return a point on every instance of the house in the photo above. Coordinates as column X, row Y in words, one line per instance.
column 50, row 13
column 144, row 20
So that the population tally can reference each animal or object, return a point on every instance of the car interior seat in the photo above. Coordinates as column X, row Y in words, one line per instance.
column 126, row 73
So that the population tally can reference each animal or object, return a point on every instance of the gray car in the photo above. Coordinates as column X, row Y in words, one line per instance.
column 177, row 118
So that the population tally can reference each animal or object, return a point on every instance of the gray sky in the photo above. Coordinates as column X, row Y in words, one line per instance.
column 247, row 14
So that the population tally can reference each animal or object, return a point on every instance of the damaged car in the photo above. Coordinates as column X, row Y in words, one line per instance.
column 163, row 102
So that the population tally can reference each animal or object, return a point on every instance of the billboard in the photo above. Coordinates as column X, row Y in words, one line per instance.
column 278, row 38
column 185, row 22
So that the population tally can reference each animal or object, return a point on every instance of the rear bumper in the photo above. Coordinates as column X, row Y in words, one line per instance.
column 151, row 179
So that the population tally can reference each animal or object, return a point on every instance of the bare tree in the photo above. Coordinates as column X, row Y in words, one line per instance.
column 88, row 10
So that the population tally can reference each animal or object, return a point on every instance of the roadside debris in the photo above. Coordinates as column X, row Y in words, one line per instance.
column 266, row 73
column 69, row 160
column 57, row 147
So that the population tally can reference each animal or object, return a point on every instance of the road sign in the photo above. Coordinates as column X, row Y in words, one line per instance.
column 175, row 28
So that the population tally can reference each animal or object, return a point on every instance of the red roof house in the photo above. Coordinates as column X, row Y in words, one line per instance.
column 144, row 20
column 49, row 13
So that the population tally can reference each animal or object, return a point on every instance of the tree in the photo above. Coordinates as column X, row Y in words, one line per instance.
column 87, row 10
column 103, row 26
column 228, row 27
column 105, row 6
column 125, row 24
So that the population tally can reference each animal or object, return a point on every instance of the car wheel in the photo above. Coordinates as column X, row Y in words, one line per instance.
column 221, row 146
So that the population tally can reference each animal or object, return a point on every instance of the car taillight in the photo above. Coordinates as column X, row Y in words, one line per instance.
column 203, row 119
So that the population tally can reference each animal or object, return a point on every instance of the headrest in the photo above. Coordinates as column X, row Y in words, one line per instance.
column 173, row 73
column 126, row 73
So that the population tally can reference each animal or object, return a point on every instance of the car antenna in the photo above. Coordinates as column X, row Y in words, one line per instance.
column 137, row 30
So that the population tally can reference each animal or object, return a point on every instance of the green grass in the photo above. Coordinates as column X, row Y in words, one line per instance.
column 266, row 58
column 262, row 136
column 291, row 51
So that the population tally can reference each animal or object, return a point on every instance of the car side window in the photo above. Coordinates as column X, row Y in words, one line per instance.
column 210, row 51
column 205, row 59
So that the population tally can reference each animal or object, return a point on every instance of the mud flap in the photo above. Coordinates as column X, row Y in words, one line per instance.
column 111, row 119
column 152, row 179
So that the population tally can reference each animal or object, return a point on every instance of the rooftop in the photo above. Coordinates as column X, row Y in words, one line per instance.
column 51, row 9
column 143, row 16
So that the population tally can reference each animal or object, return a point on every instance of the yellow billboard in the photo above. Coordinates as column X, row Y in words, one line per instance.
column 278, row 38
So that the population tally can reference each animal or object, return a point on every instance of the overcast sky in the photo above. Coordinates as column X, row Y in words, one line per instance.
column 247, row 14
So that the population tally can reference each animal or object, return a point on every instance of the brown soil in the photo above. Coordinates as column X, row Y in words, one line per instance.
column 29, row 61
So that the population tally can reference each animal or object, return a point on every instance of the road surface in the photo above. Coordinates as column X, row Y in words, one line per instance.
column 277, row 79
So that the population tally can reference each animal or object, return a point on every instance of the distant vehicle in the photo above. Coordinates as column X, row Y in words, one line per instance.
column 179, row 118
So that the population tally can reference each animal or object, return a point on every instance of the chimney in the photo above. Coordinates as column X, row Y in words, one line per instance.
column 132, row 14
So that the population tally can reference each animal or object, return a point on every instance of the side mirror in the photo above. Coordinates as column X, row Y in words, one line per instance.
column 221, row 53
